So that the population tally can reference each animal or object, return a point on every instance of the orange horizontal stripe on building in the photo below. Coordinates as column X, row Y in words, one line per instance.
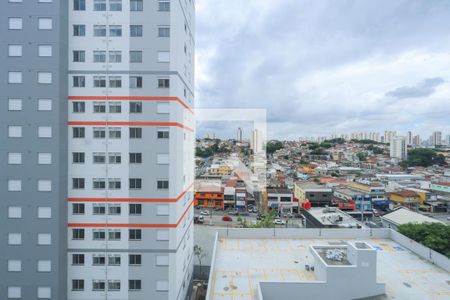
column 144, row 200
column 122, row 123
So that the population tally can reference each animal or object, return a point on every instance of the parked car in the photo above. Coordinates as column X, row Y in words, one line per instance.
column 227, row 218
column 279, row 222
column 199, row 220
column 243, row 213
column 204, row 213
column 290, row 215
column 233, row 212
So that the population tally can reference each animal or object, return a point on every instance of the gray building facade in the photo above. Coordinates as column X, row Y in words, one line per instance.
column 33, row 142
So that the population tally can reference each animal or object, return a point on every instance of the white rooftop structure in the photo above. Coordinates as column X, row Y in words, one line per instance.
column 403, row 215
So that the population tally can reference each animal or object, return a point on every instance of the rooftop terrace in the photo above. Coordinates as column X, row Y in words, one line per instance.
column 240, row 262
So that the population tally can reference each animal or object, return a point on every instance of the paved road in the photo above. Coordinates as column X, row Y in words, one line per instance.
column 216, row 219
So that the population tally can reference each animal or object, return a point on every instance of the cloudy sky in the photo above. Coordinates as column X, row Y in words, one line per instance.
column 324, row 67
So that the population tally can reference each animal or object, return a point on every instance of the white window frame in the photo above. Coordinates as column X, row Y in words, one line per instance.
column 15, row 77
column 44, row 239
column 14, row 104
column 45, row 50
column 44, row 104
column 44, row 158
column 14, row 292
column 14, row 238
column 14, row 265
column 44, row 212
column 15, row 50
column 45, row 23
column 45, row 77
column 14, row 212
column 14, row 185
column 15, row 23
column 44, row 266
column 44, row 185
column 14, row 158
column 45, row 132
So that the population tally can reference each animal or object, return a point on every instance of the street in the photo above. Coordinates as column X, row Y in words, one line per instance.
column 215, row 219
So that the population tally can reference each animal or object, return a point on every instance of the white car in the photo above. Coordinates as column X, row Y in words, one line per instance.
column 204, row 212
column 279, row 222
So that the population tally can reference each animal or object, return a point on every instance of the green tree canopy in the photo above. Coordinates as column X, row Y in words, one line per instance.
column 432, row 235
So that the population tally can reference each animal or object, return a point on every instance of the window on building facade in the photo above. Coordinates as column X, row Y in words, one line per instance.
column 135, row 132
column 115, row 107
column 164, row 31
column 78, row 208
column 135, row 234
column 78, row 107
column 135, row 158
column 136, row 30
column 99, row 132
column 115, row 5
column 99, row 30
column 79, row 4
column 99, row 107
column 135, row 209
column 163, row 83
column 162, row 184
column 135, row 183
column 134, row 259
column 99, row 56
column 135, row 107
column 115, row 56
column 78, row 132
column 135, row 82
column 163, row 5
column 77, row 259
column 78, row 183
column 79, row 56
column 79, row 81
column 79, row 30
column 99, row 5
column 136, row 5
column 135, row 56
column 115, row 30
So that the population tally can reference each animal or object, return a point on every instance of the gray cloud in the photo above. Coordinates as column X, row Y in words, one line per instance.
column 422, row 89
column 315, row 65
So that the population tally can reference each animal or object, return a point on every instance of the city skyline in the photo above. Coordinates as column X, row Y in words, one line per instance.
column 390, row 72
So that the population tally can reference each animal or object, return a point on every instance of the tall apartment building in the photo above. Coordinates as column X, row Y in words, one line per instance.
column 97, row 148
column 33, row 189
column 399, row 148
column 436, row 138
column 389, row 135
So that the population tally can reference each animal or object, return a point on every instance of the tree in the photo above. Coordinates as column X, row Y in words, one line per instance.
column 273, row 146
column 424, row 157
column 361, row 156
column 432, row 235
column 200, row 253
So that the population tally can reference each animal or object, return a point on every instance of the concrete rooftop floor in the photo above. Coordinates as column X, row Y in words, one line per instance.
column 241, row 263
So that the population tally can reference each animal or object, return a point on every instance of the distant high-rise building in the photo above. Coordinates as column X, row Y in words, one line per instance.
column 239, row 135
column 416, row 140
column 409, row 138
column 389, row 135
column 398, row 148
column 436, row 138
column 256, row 141
column 447, row 139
